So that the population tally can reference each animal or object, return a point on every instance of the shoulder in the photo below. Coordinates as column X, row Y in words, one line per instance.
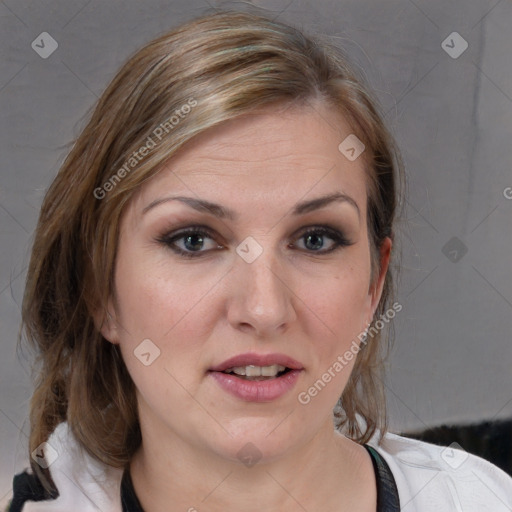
column 431, row 477
column 83, row 484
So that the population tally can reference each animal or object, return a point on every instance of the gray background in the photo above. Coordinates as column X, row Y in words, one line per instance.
column 452, row 118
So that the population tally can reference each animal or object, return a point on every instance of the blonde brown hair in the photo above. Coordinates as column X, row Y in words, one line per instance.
column 222, row 65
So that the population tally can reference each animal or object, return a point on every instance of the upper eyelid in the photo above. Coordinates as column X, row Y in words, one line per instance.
column 209, row 231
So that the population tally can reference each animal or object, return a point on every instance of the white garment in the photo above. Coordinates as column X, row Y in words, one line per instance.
column 438, row 479
column 429, row 478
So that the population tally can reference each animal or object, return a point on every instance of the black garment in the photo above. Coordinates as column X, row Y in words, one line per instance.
column 27, row 487
column 129, row 499
column 387, row 492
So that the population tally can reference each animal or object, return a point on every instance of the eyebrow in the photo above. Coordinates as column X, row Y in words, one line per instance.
column 222, row 212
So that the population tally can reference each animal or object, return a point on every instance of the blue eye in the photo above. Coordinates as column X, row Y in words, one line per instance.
column 314, row 240
column 196, row 241
column 190, row 242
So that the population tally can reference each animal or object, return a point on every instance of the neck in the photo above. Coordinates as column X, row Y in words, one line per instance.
column 327, row 471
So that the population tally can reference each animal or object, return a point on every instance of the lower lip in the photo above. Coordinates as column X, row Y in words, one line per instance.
column 257, row 390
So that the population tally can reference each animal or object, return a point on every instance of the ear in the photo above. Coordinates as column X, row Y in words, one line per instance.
column 105, row 322
column 375, row 291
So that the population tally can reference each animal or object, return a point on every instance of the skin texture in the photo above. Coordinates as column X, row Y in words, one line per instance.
column 201, row 311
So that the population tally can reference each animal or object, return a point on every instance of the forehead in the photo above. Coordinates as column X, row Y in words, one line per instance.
column 273, row 156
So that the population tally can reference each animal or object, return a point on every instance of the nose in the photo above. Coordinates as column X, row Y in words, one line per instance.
column 261, row 301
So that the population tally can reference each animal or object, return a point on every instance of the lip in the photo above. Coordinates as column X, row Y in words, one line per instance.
column 258, row 360
column 256, row 390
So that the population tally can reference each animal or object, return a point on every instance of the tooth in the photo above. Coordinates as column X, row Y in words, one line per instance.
column 253, row 371
column 257, row 371
column 271, row 371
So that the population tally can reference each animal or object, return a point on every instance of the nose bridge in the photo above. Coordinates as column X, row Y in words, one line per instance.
column 262, row 298
column 263, row 278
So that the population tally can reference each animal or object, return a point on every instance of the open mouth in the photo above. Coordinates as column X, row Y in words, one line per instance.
column 252, row 372
column 255, row 383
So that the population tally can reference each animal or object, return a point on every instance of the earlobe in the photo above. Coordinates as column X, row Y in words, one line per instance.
column 106, row 324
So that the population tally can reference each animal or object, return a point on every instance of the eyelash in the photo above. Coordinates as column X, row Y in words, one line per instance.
column 169, row 239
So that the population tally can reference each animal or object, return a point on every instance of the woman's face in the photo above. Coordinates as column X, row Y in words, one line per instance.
column 252, row 260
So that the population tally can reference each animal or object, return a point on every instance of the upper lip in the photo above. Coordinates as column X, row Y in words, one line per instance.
column 257, row 360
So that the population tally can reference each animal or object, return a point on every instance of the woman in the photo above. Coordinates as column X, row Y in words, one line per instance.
column 209, row 281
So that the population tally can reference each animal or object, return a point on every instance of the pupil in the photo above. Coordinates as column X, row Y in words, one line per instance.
column 317, row 241
column 189, row 242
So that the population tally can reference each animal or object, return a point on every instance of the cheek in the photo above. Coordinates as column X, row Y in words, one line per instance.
column 336, row 312
column 174, row 310
column 338, row 301
column 157, row 300
column 171, row 311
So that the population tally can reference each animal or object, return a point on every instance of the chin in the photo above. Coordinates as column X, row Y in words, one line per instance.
column 255, row 440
